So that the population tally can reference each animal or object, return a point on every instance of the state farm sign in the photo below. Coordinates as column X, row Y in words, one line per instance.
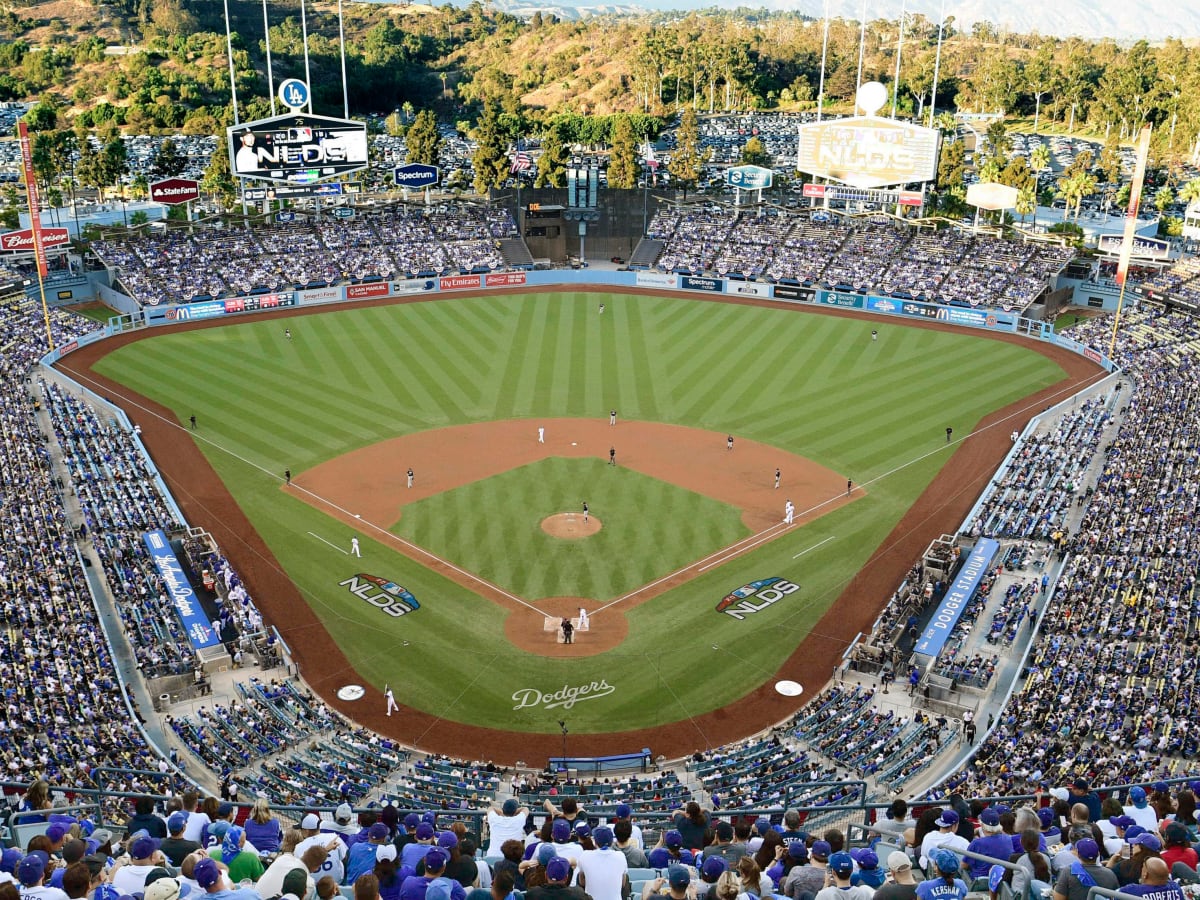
column 174, row 190
column 22, row 241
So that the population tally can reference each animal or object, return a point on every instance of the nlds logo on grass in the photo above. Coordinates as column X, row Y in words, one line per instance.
column 755, row 597
column 381, row 593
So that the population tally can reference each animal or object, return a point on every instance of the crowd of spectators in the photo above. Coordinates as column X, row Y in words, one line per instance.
column 888, row 257
column 396, row 241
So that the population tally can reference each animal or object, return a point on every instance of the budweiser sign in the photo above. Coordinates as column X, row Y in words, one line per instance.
column 22, row 241
column 174, row 190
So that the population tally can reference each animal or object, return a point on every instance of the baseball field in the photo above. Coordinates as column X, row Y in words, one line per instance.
column 466, row 564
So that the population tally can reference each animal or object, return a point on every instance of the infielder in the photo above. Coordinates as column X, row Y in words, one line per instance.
column 789, row 513
column 612, row 417
column 729, row 442
column 354, row 551
column 541, row 437
column 410, row 476
column 391, row 701
column 585, row 511
column 778, row 475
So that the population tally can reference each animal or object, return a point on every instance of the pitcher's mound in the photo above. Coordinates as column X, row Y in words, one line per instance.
column 570, row 526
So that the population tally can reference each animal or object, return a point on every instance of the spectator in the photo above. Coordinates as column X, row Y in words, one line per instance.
column 692, row 825
column 1156, row 883
column 263, row 830
column 901, row 884
column 1079, row 877
column 942, row 884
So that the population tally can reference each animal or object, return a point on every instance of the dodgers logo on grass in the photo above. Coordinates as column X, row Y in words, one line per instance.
column 755, row 597
column 383, row 594
column 565, row 697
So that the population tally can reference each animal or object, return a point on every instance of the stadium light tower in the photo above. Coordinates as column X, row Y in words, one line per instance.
column 937, row 62
column 899, row 47
column 824, row 57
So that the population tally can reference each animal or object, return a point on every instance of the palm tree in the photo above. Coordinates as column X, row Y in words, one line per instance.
column 946, row 124
column 1027, row 203
column 1039, row 159
column 1190, row 192
column 1086, row 186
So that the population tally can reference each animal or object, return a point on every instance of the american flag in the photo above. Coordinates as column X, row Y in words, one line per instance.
column 522, row 161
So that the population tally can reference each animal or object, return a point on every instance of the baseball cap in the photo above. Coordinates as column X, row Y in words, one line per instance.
column 1176, row 832
column 10, row 858
column 1060, row 793
column 56, row 832
column 436, row 859
column 946, row 862
column 412, row 820
column 659, row 858
column 1138, row 796
column 1081, row 784
column 1161, row 787
column 177, row 822
column 1149, row 841
column 103, row 835
column 166, row 889
column 385, row 851
column 673, row 838
column 1133, row 831
column 561, row 831
column 225, row 809
column 842, row 863
column 867, row 859
column 424, row 831
column 687, row 857
column 624, row 810
column 989, row 817
column 439, row 889
column 310, row 822
column 558, row 869
column 155, row 874
column 1121, row 821
column 447, row 840
column 712, row 868
column 724, row 831
column 545, row 853
column 947, row 819
column 821, row 849
column 31, row 869
column 679, row 877
column 583, row 829
column 897, row 861
column 603, row 836
column 143, row 848
column 1087, row 849
column 510, row 806
column 797, row 850
column 377, row 832
column 1046, row 816
column 206, row 873
column 429, row 816
column 343, row 813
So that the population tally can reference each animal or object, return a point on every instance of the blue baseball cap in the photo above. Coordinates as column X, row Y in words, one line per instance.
column 947, row 819
column 177, row 822
column 1138, row 796
column 603, row 836
column 545, row 853
column 842, row 863
column 946, row 862
column 558, row 869
column 673, row 838
column 624, row 810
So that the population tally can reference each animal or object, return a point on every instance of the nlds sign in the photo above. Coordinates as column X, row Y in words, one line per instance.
column 22, row 241
column 755, row 597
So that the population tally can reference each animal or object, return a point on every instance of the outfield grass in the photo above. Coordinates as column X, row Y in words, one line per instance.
column 813, row 385
column 493, row 528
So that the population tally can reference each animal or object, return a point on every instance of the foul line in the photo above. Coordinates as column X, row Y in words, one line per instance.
column 330, row 543
column 814, row 547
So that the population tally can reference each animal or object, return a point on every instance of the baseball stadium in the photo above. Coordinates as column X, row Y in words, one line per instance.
column 402, row 522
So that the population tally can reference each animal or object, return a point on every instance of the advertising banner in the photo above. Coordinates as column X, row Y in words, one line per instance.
column 416, row 175
column 36, row 235
column 839, row 298
column 363, row 291
column 748, row 288
column 171, row 191
column 414, row 286
column 211, row 309
column 320, row 295
column 302, row 191
column 794, row 292
column 22, row 241
column 694, row 283
column 972, row 317
column 1143, row 247
column 933, row 639
column 187, row 605
column 656, row 279
column 503, row 279
column 459, row 282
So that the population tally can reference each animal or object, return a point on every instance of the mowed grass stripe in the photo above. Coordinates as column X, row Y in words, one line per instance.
column 530, row 365
column 513, row 359
column 645, row 358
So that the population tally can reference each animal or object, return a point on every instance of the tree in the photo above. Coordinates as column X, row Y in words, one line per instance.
column 394, row 125
column 623, row 165
column 1190, row 192
column 218, row 178
column 998, row 139
column 1163, row 198
column 423, row 141
column 168, row 161
column 688, row 157
column 552, row 164
column 1110, row 160
column 1040, row 76
column 952, row 166
column 755, row 154
column 489, row 159
column 114, row 161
